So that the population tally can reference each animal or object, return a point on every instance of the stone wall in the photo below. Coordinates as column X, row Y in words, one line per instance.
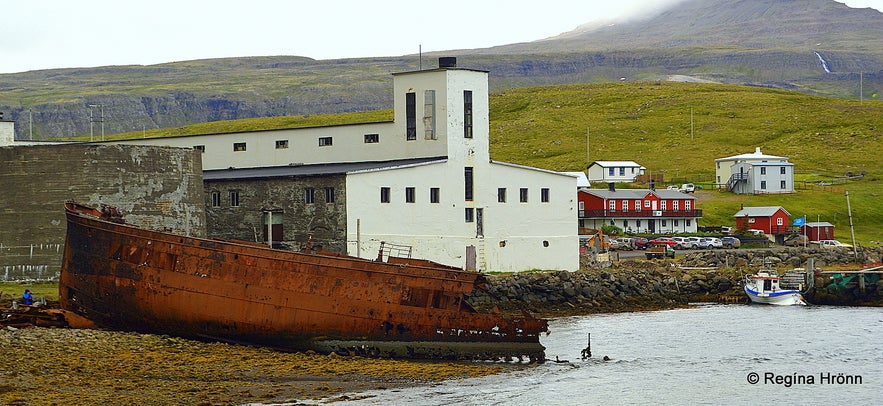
column 716, row 276
column 781, row 257
column 322, row 221
column 154, row 187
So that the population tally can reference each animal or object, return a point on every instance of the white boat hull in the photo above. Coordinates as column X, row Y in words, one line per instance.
column 780, row 298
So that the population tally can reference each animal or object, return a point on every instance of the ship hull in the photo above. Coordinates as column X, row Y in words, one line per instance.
column 128, row 278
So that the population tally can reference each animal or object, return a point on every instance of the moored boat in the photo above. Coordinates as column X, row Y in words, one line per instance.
column 129, row 278
column 763, row 287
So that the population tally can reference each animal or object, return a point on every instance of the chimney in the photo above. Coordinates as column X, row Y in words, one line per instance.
column 611, row 186
column 652, row 184
column 447, row 62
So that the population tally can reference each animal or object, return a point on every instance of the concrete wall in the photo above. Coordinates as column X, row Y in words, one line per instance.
column 158, row 188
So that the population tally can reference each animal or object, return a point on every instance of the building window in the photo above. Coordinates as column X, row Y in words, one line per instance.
column 238, row 146
column 625, row 224
column 780, row 221
column 621, row 171
column 544, row 195
column 637, row 205
column 689, row 222
column 384, row 195
column 664, row 223
column 325, row 141
column 783, row 185
column 763, row 184
column 763, row 170
column 687, row 205
column 501, row 195
column 523, row 195
column 309, row 195
column 234, row 198
column 429, row 115
column 470, row 215
column 216, row 199
column 200, row 148
column 409, row 195
column 467, row 114
column 646, row 204
column 674, row 205
column 329, row 195
column 467, row 175
column 610, row 171
column 625, row 205
column 410, row 116
column 782, row 170
column 663, row 205
column 372, row 138
column 434, row 194
column 611, row 204
column 281, row 144
column 676, row 223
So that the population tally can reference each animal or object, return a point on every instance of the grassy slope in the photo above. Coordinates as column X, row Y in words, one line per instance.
column 650, row 123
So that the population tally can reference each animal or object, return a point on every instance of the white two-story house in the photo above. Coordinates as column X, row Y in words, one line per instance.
column 755, row 173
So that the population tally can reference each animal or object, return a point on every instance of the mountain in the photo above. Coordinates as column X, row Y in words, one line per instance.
column 769, row 43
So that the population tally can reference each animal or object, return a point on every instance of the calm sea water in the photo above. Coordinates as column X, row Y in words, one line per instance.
column 708, row 354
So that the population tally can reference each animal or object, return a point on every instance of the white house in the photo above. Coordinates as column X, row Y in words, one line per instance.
column 615, row 171
column 755, row 173
column 423, row 180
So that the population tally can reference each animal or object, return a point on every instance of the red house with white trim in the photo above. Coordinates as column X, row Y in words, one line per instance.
column 638, row 210
column 769, row 219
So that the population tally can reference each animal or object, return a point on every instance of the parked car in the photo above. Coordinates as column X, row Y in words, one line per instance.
column 640, row 242
column 796, row 240
column 673, row 187
column 687, row 188
column 755, row 231
column 710, row 242
column 831, row 244
column 682, row 243
column 731, row 242
column 693, row 242
column 727, row 229
column 664, row 241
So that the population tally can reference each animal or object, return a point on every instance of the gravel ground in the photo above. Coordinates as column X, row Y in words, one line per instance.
column 59, row 366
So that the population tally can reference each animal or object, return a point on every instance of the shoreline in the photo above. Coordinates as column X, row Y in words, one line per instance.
column 55, row 365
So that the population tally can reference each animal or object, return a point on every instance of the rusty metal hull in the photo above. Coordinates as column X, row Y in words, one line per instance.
column 124, row 277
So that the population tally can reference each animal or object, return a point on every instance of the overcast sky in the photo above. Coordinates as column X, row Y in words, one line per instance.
column 47, row 34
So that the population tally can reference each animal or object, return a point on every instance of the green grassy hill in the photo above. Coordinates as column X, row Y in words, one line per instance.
column 678, row 129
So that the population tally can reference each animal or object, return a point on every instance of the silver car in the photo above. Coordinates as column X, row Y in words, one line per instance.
column 710, row 242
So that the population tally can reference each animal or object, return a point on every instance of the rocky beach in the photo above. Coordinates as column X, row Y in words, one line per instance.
column 55, row 366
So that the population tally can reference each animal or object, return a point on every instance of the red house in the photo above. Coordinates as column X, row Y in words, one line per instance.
column 638, row 210
column 769, row 219
column 818, row 230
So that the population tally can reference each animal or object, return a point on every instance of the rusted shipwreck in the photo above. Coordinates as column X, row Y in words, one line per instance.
column 128, row 278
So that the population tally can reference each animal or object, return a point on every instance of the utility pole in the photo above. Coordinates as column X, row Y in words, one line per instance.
column 92, row 121
column 31, row 124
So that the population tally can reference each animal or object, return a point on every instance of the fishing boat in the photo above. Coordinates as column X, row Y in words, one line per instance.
column 763, row 287
column 129, row 278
